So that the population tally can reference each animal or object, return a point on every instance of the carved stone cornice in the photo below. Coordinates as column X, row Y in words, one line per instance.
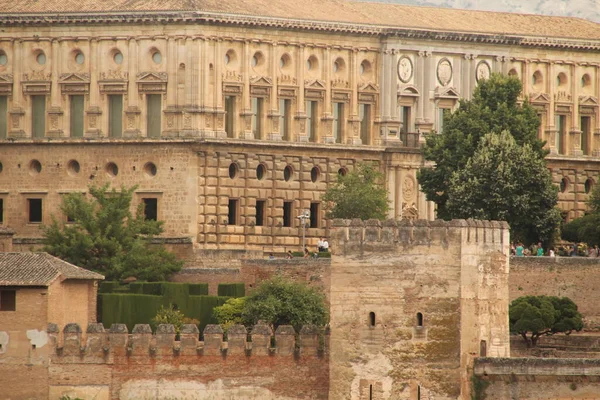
column 37, row 76
column 74, row 83
column 287, row 80
column 113, row 75
column 152, row 82
column 6, row 84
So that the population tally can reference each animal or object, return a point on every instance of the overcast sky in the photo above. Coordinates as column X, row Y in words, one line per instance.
column 589, row 9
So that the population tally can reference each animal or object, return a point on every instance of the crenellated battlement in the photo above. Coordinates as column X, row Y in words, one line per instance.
column 99, row 345
column 349, row 236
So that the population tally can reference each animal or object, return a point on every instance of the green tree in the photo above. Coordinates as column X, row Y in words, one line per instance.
column 358, row 194
column 543, row 315
column 494, row 108
column 230, row 313
column 106, row 237
column 586, row 228
column 506, row 181
column 281, row 302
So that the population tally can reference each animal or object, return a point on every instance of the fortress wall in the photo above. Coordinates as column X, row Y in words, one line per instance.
column 398, row 270
column 117, row 365
column 575, row 277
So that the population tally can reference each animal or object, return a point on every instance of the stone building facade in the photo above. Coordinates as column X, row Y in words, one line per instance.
column 233, row 119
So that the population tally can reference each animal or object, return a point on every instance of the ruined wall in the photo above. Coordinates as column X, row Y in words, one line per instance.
column 400, row 295
column 575, row 277
column 537, row 379
column 144, row 366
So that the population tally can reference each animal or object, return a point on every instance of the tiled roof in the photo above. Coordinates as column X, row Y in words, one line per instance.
column 38, row 269
column 342, row 11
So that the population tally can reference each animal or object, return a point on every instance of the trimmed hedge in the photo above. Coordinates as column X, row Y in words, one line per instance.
column 198, row 289
column 153, row 288
column 128, row 309
column 108, row 286
column 231, row 289
column 322, row 254
column 136, row 287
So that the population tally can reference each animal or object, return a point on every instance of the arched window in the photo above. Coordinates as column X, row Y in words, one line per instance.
column 419, row 319
column 371, row 319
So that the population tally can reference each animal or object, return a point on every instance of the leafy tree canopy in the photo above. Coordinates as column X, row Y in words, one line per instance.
column 106, row 237
column 587, row 228
column 543, row 315
column 277, row 301
column 506, row 181
column 494, row 108
column 358, row 194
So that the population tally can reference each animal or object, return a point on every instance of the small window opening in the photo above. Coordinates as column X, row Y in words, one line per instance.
column 260, row 172
column 260, row 212
column 370, row 392
column 371, row 319
column 418, row 392
column 233, row 170
column 35, row 211
column 483, row 348
column 287, row 214
column 314, row 215
column 232, row 214
column 150, row 209
column 1, row 211
column 287, row 173
column 419, row 319
column 8, row 300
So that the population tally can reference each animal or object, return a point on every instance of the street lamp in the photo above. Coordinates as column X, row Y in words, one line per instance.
column 303, row 217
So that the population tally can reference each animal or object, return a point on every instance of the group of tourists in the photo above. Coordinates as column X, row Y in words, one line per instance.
column 517, row 249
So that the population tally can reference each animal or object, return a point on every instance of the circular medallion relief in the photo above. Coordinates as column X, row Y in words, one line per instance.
column 444, row 72
column 408, row 188
column 405, row 69
column 483, row 71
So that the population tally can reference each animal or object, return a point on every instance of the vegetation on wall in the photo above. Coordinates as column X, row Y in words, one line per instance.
column 495, row 108
column 585, row 229
column 231, row 289
column 360, row 193
column 104, row 236
column 543, row 315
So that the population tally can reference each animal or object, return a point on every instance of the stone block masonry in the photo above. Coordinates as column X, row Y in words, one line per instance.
column 140, row 365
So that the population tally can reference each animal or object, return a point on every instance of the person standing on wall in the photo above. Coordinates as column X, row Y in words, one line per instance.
column 325, row 245
column 320, row 244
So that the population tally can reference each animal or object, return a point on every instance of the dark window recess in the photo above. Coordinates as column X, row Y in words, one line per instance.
column 150, row 209
column 8, row 300
column 1, row 211
column 314, row 215
column 260, row 212
column 419, row 319
column 233, row 212
column 372, row 318
column 287, row 213
column 35, row 210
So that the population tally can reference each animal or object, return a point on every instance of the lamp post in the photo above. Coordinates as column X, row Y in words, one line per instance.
column 303, row 217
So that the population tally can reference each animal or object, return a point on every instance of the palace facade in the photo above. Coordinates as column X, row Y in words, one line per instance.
column 233, row 118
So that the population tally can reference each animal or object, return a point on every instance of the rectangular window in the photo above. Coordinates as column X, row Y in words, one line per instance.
column 585, row 135
column 257, row 113
column 115, row 115
column 405, row 118
column 338, row 122
column 260, row 212
column 287, row 213
column 153, row 118
column 561, row 124
column 8, row 300
column 284, row 118
column 441, row 112
column 150, row 209
column 34, row 211
column 1, row 211
column 233, row 212
column 364, row 114
column 76, row 122
column 38, row 116
column 314, row 215
column 311, row 120
column 229, row 115
column 3, row 117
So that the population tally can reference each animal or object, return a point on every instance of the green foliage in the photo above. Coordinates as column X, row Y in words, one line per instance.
column 506, row 181
column 359, row 194
column 478, row 387
column 230, row 313
column 169, row 315
column 587, row 228
column 494, row 108
column 543, row 315
column 231, row 289
column 108, row 286
column 106, row 237
column 281, row 302
column 198, row 289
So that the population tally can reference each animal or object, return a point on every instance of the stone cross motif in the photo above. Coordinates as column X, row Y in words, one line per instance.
column 405, row 69
column 483, row 71
column 444, row 72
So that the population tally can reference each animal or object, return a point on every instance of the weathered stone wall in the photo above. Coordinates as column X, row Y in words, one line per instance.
column 575, row 277
column 452, row 277
column 537, row 379
column 143, row 366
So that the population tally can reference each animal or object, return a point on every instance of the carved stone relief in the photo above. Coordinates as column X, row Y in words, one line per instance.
column 444, row 72
column 408, row 188
column 405, row 69
column 482, row 71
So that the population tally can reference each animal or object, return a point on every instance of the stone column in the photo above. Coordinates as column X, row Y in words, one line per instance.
column 300, row 125
column 596, row 130
column 93, row 112
column 326, row 130
column 353, row 129
column 246, row 101
column 428, row 87
column 274, row 112
column 575, row 133
column 133, row 112
column 419, row 71
column 552, row 130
